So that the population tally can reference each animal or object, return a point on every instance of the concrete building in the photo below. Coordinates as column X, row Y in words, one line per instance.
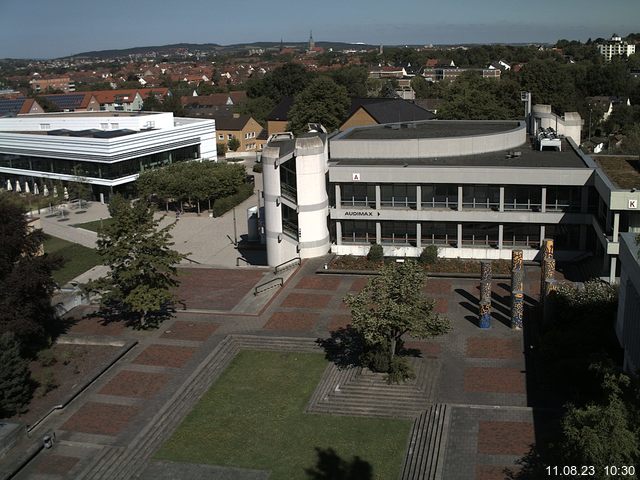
column 628, row 320
column 616, row 47
column 39, row 84
column 104, row 149
column 475, row 189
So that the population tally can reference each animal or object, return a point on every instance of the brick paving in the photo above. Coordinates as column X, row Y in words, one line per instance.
column 129, row 383
column 483, row 368
column 493, row 472
column 194, row 331
column 55, row 464
column 101, row 418
column 97, row 326
column 494, row 380
column 165, row 356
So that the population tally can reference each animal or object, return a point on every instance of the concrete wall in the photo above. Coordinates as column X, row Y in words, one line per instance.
column 628, row 318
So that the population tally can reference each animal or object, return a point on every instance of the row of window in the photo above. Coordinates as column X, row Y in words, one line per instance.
column 446, row 234
column 517, row 197
column 99, row 170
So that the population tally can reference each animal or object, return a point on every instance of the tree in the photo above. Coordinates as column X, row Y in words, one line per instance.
column 233, row 144
column 392, row 305
column 287, row 80
column 354, row 79
column 15, row 379
column 142, row 265
column 323, row 101
column 259, row 108
column 25, row 280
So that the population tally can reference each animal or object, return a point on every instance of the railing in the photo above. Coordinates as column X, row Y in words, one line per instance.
column 399, row 239
column 358, row 202
column 433, row 203
column 273, row 283
column 243, row 259
column 288, row 264
column 401, row 202
column 289, row 192
column 354, row 239
column 290, row 229
column 482, row 205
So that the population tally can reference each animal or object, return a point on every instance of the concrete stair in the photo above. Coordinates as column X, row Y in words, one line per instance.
column 360, row 392
column 425, row 455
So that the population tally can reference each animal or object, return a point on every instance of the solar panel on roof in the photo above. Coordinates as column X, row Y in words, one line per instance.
column 11, row 106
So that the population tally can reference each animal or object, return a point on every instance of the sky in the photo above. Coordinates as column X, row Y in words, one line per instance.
column 49, row 29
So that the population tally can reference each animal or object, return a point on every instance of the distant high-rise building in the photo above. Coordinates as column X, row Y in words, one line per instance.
column 614, row 47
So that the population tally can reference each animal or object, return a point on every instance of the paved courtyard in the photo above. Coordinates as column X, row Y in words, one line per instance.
column 481, row 374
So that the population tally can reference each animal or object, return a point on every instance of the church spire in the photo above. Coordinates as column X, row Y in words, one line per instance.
column 312, row 44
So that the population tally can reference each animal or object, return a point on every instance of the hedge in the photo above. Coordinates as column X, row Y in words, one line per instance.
column 223, row 205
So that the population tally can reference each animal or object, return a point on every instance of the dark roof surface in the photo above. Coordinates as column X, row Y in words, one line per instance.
column 389, row 110
column 529, row 158
column 433, row 129
column 67, row 101
column 229, row 122
column 11, row 107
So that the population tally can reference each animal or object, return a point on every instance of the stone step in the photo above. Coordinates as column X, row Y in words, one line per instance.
column 364, row 412
column 366, row 398
column 425, row 455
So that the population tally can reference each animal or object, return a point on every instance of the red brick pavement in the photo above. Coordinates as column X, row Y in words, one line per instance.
column 440, row 287
column 215, row 289
column 194, row 331
column 165, row 356
column 339, row 321
column 428, row 349
column 100, row 418
column 479, row 347
column 358, row 284
column 303, row 300
column 505, row 438
column 294, row 321
column 55, row 464
column 94, row 326
column 129, row 383
column 494, row 380
column 319, row 282
column 442, row 305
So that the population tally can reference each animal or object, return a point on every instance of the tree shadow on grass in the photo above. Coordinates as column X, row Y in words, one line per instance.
column 330, row 466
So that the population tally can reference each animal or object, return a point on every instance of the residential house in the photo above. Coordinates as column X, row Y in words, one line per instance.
column 242, row 127
column 74, row 102
column 212, row 105
column 616, row 47
column 11, row 107
column 40, row 84
column 375, row 111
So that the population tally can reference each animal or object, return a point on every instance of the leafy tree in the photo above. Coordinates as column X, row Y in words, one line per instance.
column 233, row 144
column 392, row 305
column 420, row 86
column 323, row 101
column 25, row 280
column 550, row 83
column 389, row 88
column 142, row 265
column 15, row 379
column 287, row 80
column 471, row 97
column 152, row 103
column 354, row 79
column 259, row 108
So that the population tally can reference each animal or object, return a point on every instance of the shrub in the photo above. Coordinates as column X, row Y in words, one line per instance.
column 47, row 358
column 15, row 379
column 399, row 370
column 233, row 144
column 223, row 205
column 257, row 167
column 376, row 358
column 48, row 383
column 429, row 255
column 222, row 148
column 376, row 253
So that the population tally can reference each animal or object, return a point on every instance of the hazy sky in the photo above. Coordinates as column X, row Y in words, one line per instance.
column 47, row 28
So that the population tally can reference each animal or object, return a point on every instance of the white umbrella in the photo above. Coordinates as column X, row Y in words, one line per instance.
column 9, row 186
column 45, row 192
column 18, row 189
column 66, row 193
column 36, row 190
column 26, row 187
column 55, row 191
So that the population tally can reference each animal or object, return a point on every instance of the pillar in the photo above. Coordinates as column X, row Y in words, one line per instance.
column 612, row 270
column 616, row 226
column 378, row 197
column 459, row 240
column 543, row 204
column 338, row 232
column 418, row 197
column 584, row 200
column 500, row 235
column 484, row 320
column 517, row 309
column 338, row 196
column 378, row 233
column 418, row 235
column 501, row 207
column 459, row 198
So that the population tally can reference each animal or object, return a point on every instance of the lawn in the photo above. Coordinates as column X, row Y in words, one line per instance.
column 253, row 417
column 94, row 225
column 78, row 259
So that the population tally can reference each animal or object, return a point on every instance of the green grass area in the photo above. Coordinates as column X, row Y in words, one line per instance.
column 253, row 417
column 78, row 259
column 93, row 226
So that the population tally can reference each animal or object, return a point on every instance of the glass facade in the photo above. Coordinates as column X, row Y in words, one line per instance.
column 523, row 197
column 486, row 197
column 358, row 195
column 358, row 232
column 439, row 196
column 398, row 233
column 109, row 171
column 289, row 221
column 398, row 195
column 439, row 233
column 480, row 234
column 288, row 183
column 521, row 235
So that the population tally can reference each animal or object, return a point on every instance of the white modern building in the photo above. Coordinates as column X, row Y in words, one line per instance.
column 628, row 319
column 616, row 47
column 107, row 150
column 475, row 189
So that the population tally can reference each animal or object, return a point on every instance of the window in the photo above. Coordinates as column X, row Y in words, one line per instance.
column 289, row 221
column 486, row 197
column 439, row 233
column 563, row 199
column 480, row 234
column 115, row 126
column 221, row 137
column 439, row 196
column 104, row 126
column 45, row 126
column 358, row 195
column 355, row 231
column 522, row 197
column 229, row 136
column 398, row 233
column 288, row 182
column 398, row 195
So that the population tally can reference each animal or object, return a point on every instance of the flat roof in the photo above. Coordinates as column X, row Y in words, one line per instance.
column 429, row 129
column 623, row 171
column 529, row 158
column 101, row 113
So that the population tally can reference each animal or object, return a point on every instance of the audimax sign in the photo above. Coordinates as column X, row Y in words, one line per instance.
column 359, row 213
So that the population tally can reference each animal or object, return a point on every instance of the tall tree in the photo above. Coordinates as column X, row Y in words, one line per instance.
column 142, row 265
column 15, row 379
column 323, row 101
column 25, row 280
column 392, row 305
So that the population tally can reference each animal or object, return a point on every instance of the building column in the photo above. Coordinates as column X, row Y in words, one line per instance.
column 612, row 270
column 459, row 198
column 378, row 197
column 584, row 200
column 501, row 208
column 338, row 232
column 338, row 196
column 500, row 235
column 418, row 234
column 459, row 241
column 378, row 233
column 616, row 226
column 582, row 241
column 543, row 206
column 418, row 197
column 542, row 233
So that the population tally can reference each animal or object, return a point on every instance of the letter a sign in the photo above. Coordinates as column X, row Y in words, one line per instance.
column 355, row 177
